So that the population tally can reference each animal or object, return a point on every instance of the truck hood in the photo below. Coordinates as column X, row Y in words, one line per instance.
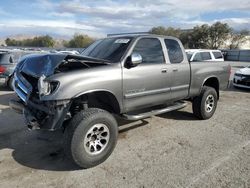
column 37, row 65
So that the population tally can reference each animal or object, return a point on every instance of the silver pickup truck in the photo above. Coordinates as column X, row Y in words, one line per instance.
column 132, row 76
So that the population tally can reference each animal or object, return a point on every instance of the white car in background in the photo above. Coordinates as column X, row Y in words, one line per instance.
column 71, row 52
column 242, row 78
column 204, row 55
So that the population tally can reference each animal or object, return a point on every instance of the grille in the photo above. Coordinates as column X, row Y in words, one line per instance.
column 22, row 87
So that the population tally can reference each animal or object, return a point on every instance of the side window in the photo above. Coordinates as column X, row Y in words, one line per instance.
column 217, row 55
column 205, row 56
column 150, row 49
column 197, row 57
column 174, row 51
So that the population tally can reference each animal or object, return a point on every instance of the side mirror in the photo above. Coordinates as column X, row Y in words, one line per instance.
column 134, row 60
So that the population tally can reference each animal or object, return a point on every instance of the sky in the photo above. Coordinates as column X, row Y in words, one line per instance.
column 100, row 17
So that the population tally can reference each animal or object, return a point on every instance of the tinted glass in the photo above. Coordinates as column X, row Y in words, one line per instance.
column 150, row 49
column 174, row 51
column 4, row 58
column 90, row 48
column 205, row 56
column 197, row 57
column 111, row 49
column 217, row 55
column 1, row 56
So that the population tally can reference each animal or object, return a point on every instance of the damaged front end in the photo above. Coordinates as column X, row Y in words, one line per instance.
column 38, row 114
column 32, row 84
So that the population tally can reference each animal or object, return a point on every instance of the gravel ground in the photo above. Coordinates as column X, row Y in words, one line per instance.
column 169, row 150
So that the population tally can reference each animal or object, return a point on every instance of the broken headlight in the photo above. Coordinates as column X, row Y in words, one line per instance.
column 46, row 87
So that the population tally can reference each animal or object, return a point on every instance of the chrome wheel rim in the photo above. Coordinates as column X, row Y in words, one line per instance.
column 96, row 139
column 209, row 103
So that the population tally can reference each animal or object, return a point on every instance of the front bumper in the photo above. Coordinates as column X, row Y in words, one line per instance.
column 241, row 86
column 241, row 81
column 40, row 116
column 20, row 108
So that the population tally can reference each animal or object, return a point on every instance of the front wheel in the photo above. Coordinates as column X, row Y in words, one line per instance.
column 90, row 137
column 205, row 104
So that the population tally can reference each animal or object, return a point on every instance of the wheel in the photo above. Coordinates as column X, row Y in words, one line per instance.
column 205, row 104
column 10, row 82
column 90, row 137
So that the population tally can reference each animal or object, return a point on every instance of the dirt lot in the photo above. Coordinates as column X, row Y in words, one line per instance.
column 170, row 150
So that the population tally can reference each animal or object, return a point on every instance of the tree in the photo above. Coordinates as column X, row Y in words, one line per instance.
column 12, row 42
column 79, row 41
column 212, row 37
column 41, row 41
column 238, row 38
column 219, row 33
column 169, row 31
column 199, row 37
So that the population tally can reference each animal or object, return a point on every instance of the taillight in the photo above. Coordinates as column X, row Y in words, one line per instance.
column 2, row 69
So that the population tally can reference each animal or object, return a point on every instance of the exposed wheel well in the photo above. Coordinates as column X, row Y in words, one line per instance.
column 214, row 83
column 99, row 99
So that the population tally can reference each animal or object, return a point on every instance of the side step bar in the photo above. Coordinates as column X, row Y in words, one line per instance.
column 176, row 106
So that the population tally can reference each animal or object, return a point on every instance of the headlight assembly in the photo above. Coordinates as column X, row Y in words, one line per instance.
column 46, row 87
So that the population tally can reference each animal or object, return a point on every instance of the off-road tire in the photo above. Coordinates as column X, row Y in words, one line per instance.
column 76, row 131
column 199, row 103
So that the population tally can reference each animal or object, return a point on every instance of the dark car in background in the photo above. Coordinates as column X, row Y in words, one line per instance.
column 8, row 62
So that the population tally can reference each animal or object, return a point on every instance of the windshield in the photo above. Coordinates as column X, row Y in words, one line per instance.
column 189, row 55
column 111, row 49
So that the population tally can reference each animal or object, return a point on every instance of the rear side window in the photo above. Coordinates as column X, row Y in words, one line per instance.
column 174, row 51
column 217, row 55
column 205, row 56
column 197, row 57
column 150, row 49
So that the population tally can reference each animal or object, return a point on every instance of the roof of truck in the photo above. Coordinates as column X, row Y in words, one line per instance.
column 201, row 50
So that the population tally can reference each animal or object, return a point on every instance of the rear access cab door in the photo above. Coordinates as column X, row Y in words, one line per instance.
column 180, row 67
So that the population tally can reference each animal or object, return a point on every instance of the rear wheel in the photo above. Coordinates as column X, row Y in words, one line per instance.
column 90, row 137
column 205, row 104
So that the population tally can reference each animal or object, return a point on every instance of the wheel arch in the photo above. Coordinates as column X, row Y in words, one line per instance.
column 213, row 82
column 105, row 97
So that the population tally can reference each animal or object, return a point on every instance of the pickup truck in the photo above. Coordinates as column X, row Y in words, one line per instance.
column 131, row 76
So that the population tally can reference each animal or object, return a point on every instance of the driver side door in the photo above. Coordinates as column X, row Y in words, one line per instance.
column 147, row 84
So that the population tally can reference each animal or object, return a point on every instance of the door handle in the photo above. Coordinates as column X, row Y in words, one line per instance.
column 164, row 70
column 175, row 69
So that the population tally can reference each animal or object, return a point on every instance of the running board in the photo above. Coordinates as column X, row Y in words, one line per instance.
column 176, row 106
